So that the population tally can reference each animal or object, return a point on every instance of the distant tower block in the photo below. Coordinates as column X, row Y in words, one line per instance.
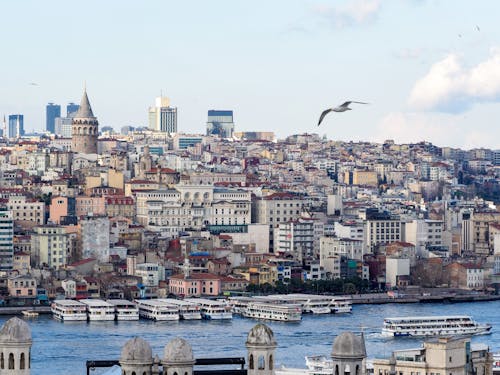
column 85, row 128
column 15, row 347
column 178, row 358
column 260, row 346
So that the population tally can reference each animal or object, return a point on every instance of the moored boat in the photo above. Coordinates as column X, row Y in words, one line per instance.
column 124, row 310
column 69, row 310
column 271, row 311
column 99, row 310
column 157, row 310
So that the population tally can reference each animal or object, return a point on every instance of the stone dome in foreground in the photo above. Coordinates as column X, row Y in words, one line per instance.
column 136, row 349
column 15, row 330
column 178, row 350
column 349, row 345
column 261, row 335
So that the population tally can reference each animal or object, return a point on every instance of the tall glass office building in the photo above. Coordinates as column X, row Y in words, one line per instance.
column 220, row 123
column 163, row 117
column 71, row 109
column 16, row 126
column 52, row 112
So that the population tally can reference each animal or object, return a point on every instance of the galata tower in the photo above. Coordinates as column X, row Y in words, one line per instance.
column 85, row 128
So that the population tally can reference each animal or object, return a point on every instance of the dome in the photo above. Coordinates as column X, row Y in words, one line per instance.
column 349, row 345
column 261, row 335
column 178, row 350
column 15, row 330
column 137, row 349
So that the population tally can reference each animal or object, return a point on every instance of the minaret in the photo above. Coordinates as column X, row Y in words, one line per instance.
column 85, row 128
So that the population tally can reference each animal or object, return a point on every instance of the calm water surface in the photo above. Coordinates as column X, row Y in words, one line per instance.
column 63, row 348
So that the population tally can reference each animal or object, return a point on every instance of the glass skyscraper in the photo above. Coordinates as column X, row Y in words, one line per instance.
column 220, row 123
column 16, row 126
column 71, row 109
column 52, row 112
column 163, row 117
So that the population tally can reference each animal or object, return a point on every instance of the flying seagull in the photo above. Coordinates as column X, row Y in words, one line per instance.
column 341, row 108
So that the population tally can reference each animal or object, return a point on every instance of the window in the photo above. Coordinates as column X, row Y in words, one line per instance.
column 11, row 361
column 262, row 363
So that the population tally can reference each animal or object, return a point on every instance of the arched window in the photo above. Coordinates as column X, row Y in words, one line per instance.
column 133, row 373
column 336, row 369
column 22, row 361
column 250, row 360
column 2, row 361
column 175, row 373
column 271, row 365
column 262, row 363
column 11, row 361
column 357, row 369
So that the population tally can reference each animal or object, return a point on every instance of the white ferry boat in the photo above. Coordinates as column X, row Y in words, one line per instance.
column 317, row 365
column 212, row 310
column 496, row 363
column 157, row 310
column 68, row 310
column 98, row 309
column 124, row 310
column 239, row 304
column 421, row 326
column 271, row 311
column 341, row 305
column 187, row 310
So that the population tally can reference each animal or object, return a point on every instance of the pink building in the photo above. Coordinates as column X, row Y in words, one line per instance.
column 58, row 209
column 195, row 285
column 86, row 204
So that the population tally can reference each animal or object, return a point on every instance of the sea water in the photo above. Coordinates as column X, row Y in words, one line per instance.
column 61, row 348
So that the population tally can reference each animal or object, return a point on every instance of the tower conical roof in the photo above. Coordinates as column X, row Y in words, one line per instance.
column 85, row 110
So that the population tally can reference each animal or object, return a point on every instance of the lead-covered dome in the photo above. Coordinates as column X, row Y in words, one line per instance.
column 349, row 345
column 15, row 330
column 261, row 335
column 137, row 349
column 178, row 350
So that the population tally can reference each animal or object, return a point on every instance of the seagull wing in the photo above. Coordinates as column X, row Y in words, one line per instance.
column 323, row 114
column 359, row 102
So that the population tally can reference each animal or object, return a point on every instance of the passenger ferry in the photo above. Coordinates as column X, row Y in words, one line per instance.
column 341, row 305
column 318, row 365
column 239, row 304
column 68, row 310
column 420, row 326
column 282, row 312
column 187, row 310
column 312, row 303
column 212, row 310
column 98, row 309
column 157, row 310
column 124, row 310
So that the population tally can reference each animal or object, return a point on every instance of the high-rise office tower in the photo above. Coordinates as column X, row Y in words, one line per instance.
column 52, row 111
column 220, row 123
column 71, row 109
column 85, row 128
column 7, row 240
column 16, row 126
column 163, row 117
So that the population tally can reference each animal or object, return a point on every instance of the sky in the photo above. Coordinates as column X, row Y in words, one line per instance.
column 430, row 69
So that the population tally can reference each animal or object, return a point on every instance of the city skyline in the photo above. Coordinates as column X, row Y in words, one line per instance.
column 429, row 70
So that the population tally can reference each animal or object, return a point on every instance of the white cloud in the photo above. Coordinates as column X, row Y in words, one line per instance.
column 352, row 13
column 442, row 129
column 451, row 87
